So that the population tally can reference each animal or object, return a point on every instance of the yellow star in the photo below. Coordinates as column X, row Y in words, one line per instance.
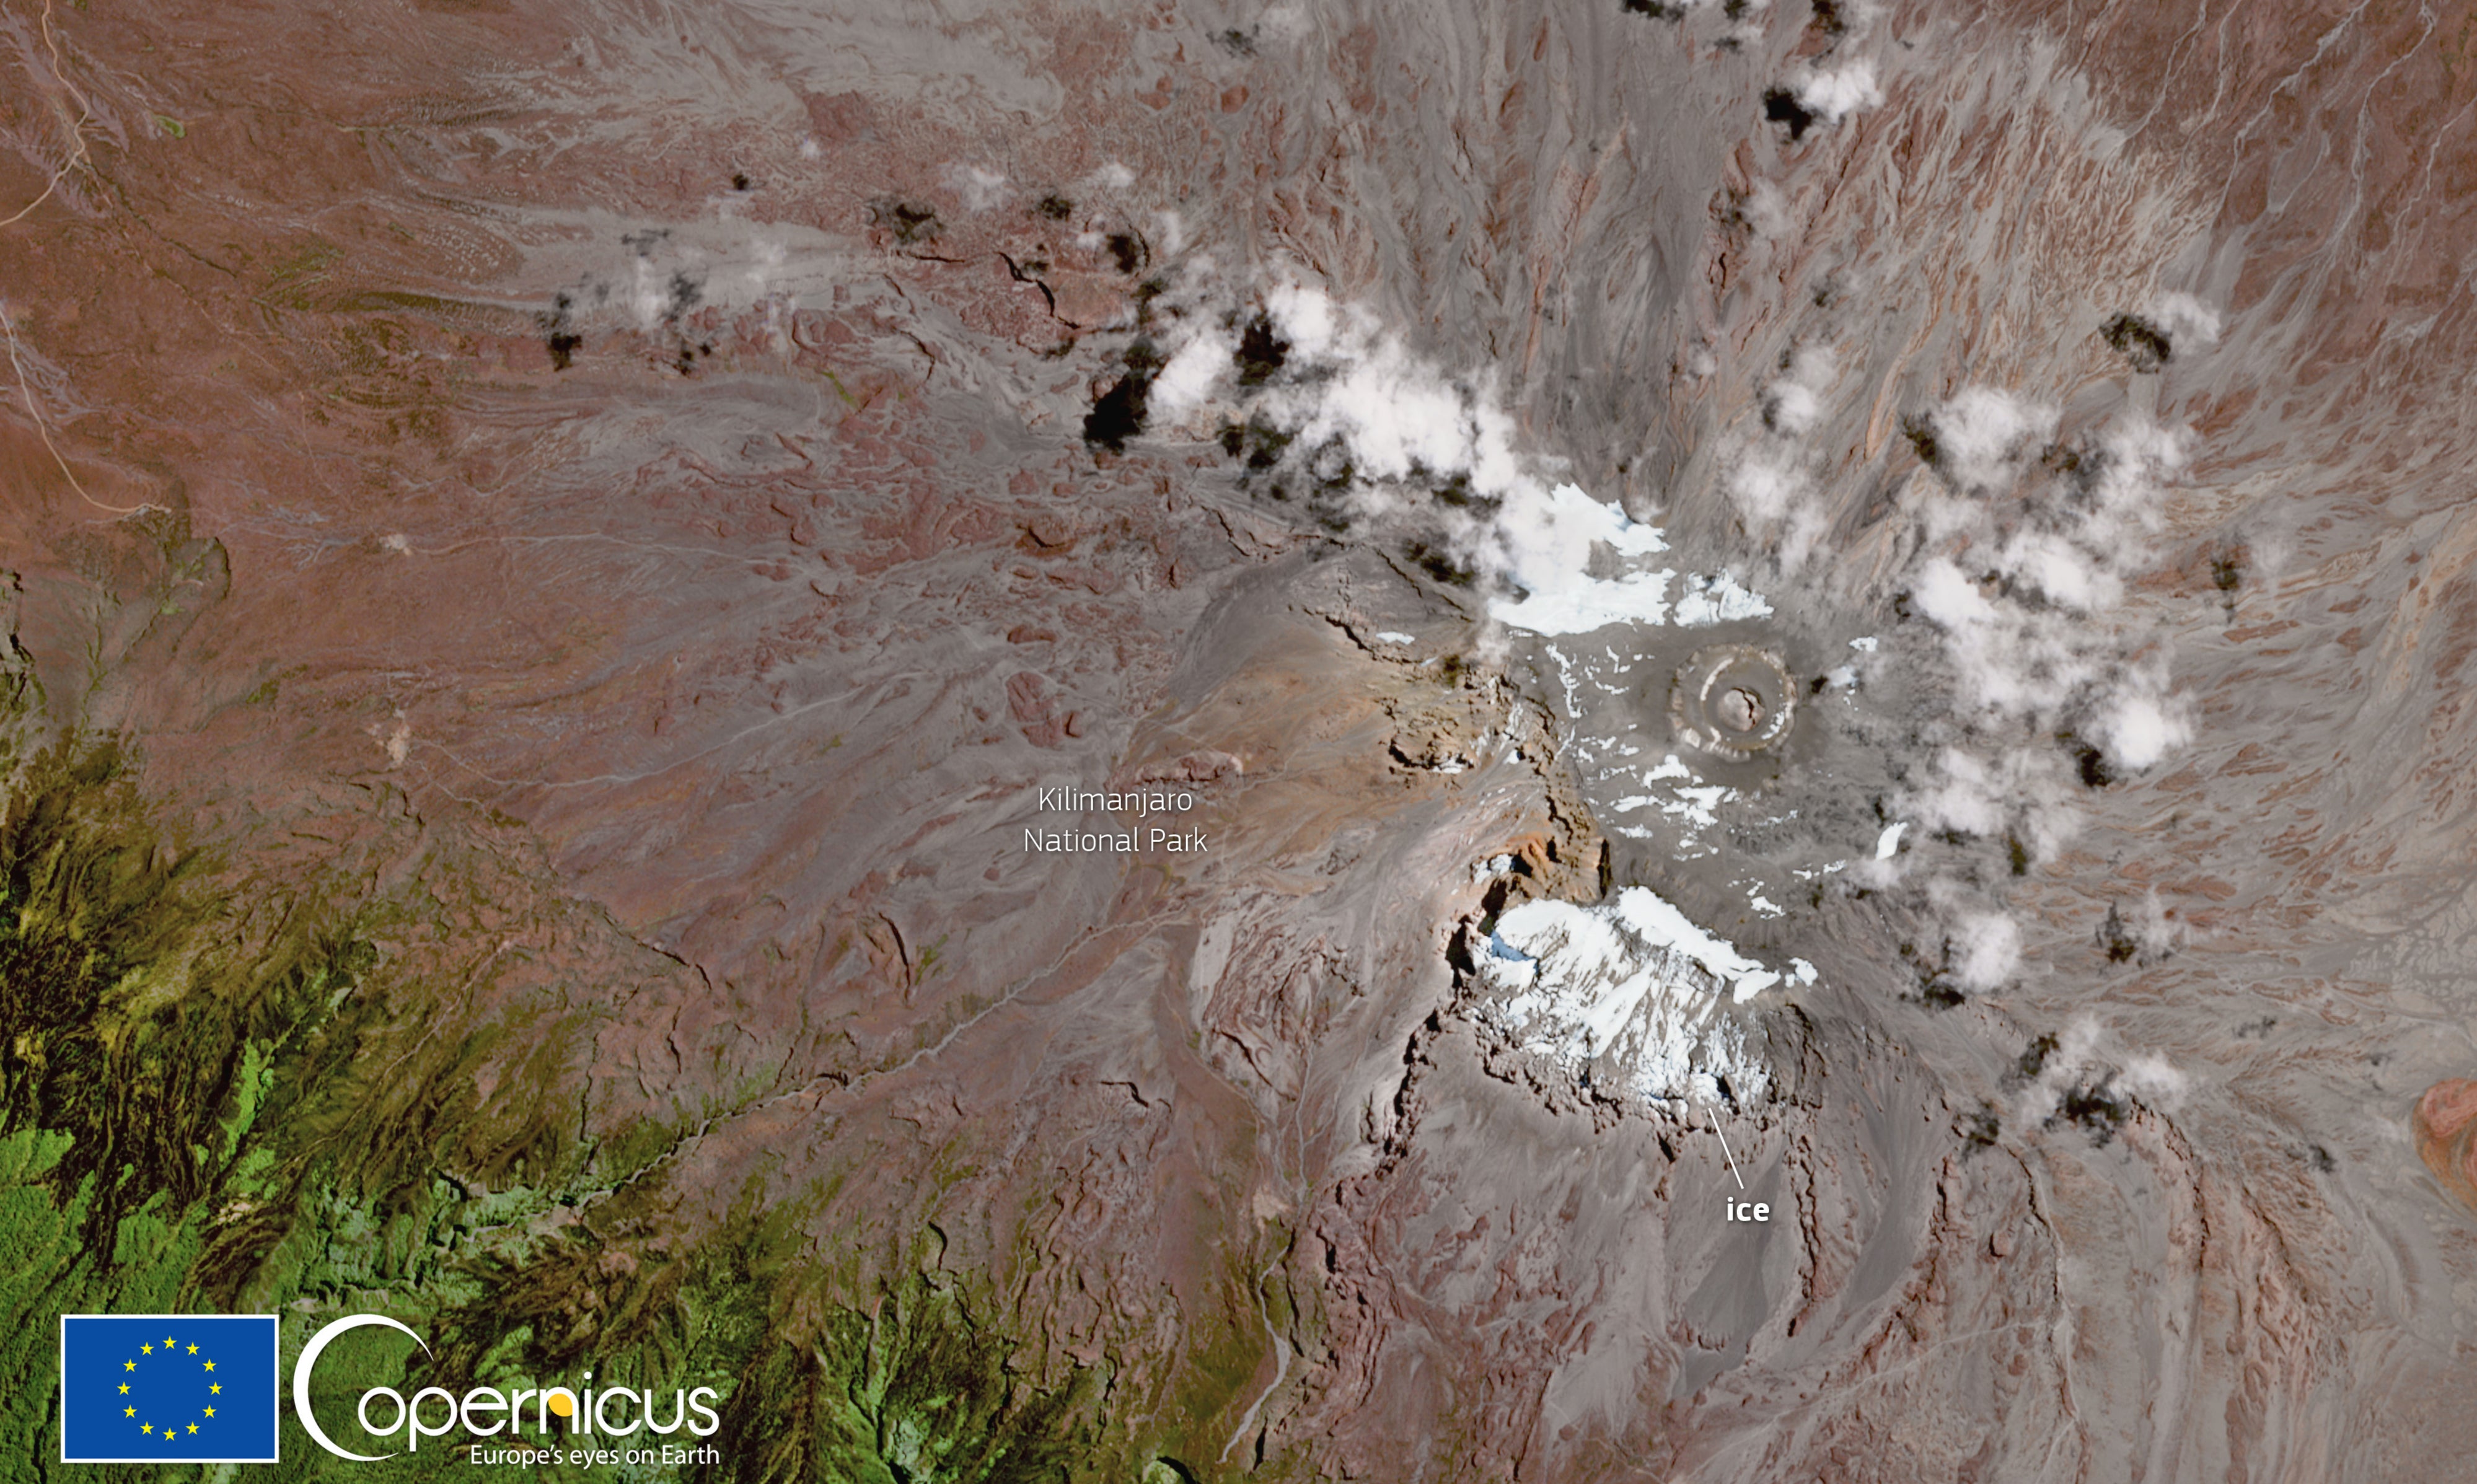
column 217, row 1388
column 129, row 1411
column 129, row 1364
column 167, row 1342
column 193, row 1349
column 211, row 1365
column 146, row 1428
column 124, row 1387
column 146, row 1350
column 193, row 1427
column 211, row 1411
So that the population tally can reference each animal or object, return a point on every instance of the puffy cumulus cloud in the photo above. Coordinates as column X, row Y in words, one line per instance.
column 1983, row 435
column 2185, row 318
column 2088, row 1077
column 2061, row 571
column 2020, row 791
column 1795, row 401
column 2145, row 935
column 2008, row 661
column 2137, row 724
column 1396, row 415
column 980, row 187
column 2019, row 572
column 1768, row 211
column 1393, row 448
column 1985, row 950
column 1833, row 95
column 2136, row 460
column 1769, row 485
column 1190, row 377
column 2024, row 595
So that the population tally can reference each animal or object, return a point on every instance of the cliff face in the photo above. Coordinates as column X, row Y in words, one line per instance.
column 624, row 516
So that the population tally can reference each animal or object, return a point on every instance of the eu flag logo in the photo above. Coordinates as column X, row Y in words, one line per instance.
column 167, row 1388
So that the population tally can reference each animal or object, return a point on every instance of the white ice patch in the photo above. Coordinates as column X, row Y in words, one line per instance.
column 1584, row 603
column 1549, row 543
column 1675, row 791
column 1630, row 986
column 1888, row 843
column 1717, row 599
column 1390, row 636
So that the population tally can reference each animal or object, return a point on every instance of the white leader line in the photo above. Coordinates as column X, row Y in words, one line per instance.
column 1724, row 1149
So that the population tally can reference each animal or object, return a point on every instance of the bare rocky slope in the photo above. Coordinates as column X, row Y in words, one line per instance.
column 552, row 551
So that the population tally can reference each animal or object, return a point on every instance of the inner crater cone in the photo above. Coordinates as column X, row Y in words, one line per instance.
column 1732, row 701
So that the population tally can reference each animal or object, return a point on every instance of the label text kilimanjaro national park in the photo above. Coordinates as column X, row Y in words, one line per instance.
column 1146, row 839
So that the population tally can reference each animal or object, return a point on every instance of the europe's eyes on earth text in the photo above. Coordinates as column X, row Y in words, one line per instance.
column 1183, row 741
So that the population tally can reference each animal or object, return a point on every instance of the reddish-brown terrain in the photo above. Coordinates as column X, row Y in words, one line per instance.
column 612, row 495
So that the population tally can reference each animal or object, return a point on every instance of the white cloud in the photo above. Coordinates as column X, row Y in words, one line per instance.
column 1394, row 411
column 980, row 187
column 1983, row 433
column 2139, row 723
column 1794, row 402
column 1288, row 21
column 2185, row 318
column 1765, row 488
column 1833, row 96
column 1768, row 211
column 1192, row 374
column 1773, row 495
column 1987, row 948
column 2061, row 571
column 1355, row 393
column 2085, row 1057
column 1948, row 600
column 2025, row 792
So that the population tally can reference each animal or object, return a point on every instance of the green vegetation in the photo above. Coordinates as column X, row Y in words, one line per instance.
column 188, row 1119
column 234, row 1089
column 918, row 1392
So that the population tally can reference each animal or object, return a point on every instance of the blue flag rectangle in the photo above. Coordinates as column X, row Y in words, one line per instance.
column 167, row 1388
